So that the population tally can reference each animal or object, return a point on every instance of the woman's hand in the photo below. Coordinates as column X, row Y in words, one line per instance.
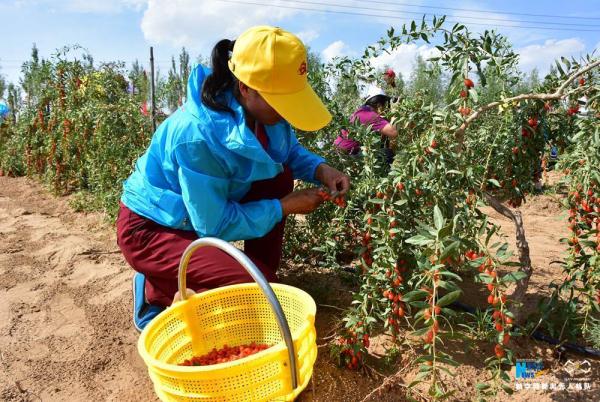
column 336, row 181
column 301, row 201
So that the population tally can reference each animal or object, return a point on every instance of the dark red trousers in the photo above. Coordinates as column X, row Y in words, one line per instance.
column 155, row 250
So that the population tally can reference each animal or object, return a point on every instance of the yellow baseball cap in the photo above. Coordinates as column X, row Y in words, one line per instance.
column 273, row 62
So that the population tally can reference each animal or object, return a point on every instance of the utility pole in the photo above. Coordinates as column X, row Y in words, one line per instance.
column 152, row 89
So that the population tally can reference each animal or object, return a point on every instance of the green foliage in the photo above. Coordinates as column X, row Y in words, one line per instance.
column 426, row 80
column 172, row 90
column 3, row 86
column 410, row 232
column 79, row 132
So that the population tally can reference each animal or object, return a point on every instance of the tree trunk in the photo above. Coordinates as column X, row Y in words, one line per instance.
column 522, row 247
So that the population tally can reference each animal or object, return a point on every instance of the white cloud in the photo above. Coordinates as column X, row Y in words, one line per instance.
column 402, row 59
column 84, row 6
column 198, row 24
column 336, row 49
column 104, row 6
column 308, row 36
column 542, row 56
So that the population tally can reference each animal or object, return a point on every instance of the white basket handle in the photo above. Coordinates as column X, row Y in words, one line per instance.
column 258, row 277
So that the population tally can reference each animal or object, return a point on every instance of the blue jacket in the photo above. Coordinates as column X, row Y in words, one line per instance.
column 201, row 162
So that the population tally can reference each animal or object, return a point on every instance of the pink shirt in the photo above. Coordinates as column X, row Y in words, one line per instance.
column 367, row 117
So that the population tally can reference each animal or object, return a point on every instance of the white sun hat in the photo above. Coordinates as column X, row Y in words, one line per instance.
column 374, row 90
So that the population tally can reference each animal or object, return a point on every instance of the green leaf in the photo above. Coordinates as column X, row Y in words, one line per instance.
column 420, row 240
column 482, row 386
column 494, row 182
column 445, row 231
column 421, row 331
column 559, row 67
column 485, row 278
column 473, row 94
column 513, row 277
column 422, row 359
column 448, row 361
column 420, row 304
column 418, row 378
column 487, row 44
column 508, row 389
column 451, row 275
column 438, row 218
column 414, row 295
column 449, row 298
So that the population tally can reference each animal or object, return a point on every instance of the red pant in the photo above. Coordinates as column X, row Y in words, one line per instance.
column 155, row 250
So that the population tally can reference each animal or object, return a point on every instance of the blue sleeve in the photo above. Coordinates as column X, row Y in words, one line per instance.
column 303, row 162
column 205, row 190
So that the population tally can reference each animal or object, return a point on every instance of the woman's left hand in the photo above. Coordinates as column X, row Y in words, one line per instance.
column 335, row 180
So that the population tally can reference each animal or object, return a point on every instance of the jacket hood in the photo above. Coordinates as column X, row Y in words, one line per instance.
column 227, row 129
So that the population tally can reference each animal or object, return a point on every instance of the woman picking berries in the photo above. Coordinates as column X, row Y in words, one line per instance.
column 370, row 115
column 224, row 166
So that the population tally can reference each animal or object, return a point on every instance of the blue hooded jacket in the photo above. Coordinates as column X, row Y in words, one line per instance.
column 201, row 162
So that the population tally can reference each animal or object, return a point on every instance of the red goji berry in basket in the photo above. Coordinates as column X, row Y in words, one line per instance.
column 225, row 354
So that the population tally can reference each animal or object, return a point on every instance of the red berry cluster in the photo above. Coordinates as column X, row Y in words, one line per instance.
column 431, row 315
column 533, row 122
column 368, row 247
column 502, row 322
column 584, row 216
column 464, row 111
column 433, row 145
column 472, row 255
column 464, row 93
column 573, row 110
column 471, row 198
column 351, row 354
column 338, row 200
column 225, row 354
column 393, row 294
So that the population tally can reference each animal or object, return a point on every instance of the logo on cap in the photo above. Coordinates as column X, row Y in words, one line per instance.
column 302, row 69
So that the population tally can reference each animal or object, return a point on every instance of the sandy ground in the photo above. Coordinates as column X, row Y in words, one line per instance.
column 65, row 312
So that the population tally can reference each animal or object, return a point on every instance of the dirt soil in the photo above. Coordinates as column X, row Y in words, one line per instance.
column 65, row 314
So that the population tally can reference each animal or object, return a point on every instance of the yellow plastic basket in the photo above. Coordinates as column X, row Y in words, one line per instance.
column 275, row 314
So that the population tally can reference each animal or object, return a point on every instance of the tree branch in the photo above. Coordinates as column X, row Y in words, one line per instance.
column 558, row 94
column 522, row 247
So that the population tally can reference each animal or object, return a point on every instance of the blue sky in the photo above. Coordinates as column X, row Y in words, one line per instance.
column 124, row 29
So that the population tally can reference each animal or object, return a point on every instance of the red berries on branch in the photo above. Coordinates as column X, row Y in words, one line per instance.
column 533, row 122
column 338, row 200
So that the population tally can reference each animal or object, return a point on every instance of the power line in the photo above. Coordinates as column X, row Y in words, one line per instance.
column 483, row 11
column 399, row 17
column 323, row 3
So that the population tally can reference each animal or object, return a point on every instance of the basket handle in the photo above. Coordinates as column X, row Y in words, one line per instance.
column 258, row 277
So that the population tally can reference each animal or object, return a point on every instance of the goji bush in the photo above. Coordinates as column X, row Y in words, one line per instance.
column 80, row 132
column 417, row 226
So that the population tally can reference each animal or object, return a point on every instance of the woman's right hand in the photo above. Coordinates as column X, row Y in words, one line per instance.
column 301, row 201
